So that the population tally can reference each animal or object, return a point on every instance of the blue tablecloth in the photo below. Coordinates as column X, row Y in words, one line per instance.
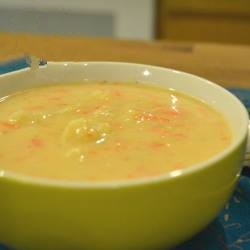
column 231, row 229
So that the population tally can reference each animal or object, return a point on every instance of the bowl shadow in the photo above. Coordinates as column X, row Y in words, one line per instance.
column 212, row 237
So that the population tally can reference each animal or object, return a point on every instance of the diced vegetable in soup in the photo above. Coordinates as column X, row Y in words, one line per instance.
column 101, row 131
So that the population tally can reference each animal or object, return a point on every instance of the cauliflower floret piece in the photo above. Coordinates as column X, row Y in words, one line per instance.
column 102, row 95
column 80, row 131
column 73, row 152
column 102, row 112
column 23, row 118
column 67, row 109
column 20, row 117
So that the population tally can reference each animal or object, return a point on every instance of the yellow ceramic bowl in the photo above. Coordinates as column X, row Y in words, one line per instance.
column 140, row 214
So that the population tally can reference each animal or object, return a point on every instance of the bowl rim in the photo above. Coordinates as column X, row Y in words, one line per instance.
column 194, row 168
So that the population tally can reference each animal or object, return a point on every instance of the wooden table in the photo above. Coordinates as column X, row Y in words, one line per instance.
column 227, row 65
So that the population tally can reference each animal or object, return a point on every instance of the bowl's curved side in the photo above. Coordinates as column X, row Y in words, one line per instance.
column 153, row 215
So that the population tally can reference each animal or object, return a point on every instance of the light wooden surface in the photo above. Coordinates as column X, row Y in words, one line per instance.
column 227, row 65
column 207, row 20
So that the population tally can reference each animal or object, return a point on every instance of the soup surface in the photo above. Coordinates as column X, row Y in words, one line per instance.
column 100, row 131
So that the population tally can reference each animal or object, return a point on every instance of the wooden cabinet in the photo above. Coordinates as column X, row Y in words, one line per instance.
column 225, row 21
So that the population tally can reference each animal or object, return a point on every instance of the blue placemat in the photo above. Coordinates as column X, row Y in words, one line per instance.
column 231, row 229
column 17, row 64
column 12, row 65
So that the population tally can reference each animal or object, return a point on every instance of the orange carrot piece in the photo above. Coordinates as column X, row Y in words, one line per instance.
column 141, row 171
column 93, row 152
column 160, row 130
column 116, row 125
column 178, row 165
column 225, row 138
column 88, row 110
column 121, row 146
column 179, row 135
column 202, row 111
column 37, row 143
column 117, row 93
column 62, row 90
column 55, row 98
column 7, row 125
column 131, row 176
column 157, row 145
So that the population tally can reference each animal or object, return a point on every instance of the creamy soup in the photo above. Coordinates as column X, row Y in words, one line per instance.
column 100, row 131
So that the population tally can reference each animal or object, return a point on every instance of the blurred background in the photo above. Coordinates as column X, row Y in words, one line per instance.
column 219, row 21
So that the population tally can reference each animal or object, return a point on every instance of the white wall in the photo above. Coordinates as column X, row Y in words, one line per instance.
column 118, row 18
